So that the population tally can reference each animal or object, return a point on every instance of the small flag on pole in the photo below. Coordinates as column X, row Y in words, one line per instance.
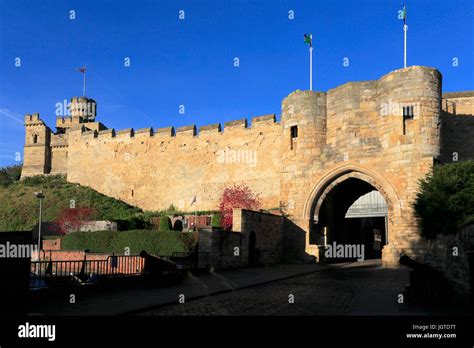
column 82, row 69
column 404, row 14
column 308, row 39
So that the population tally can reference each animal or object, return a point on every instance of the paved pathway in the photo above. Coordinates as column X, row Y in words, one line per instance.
column 359, row 288
column 122, row 301
column 362, row 288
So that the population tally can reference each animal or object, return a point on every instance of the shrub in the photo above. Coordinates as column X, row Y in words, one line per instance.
column 446, row 199
column 236, row 196
column 178, row 225
column 72, row 219
column 216, row 220
column 10, row 174
column 165, row 223
column 154, row 242
column 45, row 181
column 189, row 240
column 137, row 222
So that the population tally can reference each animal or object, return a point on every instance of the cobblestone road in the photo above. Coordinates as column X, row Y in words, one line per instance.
column 356, row 289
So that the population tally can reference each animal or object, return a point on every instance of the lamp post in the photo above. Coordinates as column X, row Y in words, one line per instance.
column 40, row 196
column 195, row 215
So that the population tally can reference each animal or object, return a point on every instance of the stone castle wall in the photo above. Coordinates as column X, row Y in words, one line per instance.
column 356, row 131
column 155, row 170
column 457, row 125
column 441, row 254
column 268, row 231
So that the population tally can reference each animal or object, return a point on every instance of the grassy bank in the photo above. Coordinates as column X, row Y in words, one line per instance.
column 19, row 207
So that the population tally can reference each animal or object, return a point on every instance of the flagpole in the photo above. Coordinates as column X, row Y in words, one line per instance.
column 310, row 68
column 84, row 83
column 405, row 29
column 309, row 40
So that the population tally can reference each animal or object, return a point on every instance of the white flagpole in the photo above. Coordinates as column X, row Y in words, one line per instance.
column 84, row 73
column 311, row 64
column 405, row 29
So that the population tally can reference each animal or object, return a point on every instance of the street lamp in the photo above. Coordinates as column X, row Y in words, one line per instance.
column 40, row 196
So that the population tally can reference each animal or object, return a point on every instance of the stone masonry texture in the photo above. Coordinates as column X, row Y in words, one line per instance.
column 354, row 131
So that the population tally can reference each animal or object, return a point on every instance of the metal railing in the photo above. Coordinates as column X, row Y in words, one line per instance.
column 47, row 273
column 57, row 273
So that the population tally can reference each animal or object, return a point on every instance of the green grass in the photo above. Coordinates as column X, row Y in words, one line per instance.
column 152, row 241
column 19, row 207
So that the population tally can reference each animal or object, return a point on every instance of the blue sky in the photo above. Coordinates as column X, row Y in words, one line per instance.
column 190, row 62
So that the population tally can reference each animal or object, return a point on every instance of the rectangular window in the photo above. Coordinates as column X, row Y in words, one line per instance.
column 294, row 132
column 408, row 114
column 294, row 135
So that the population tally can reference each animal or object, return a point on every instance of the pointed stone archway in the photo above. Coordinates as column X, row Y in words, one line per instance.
column 352, row 181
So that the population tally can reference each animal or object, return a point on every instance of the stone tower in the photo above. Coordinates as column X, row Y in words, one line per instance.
column 303, row 120
column 83, row 109
column 37, row 151
column 46, row 152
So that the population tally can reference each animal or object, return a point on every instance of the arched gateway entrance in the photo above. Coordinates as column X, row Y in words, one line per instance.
column 353, row 207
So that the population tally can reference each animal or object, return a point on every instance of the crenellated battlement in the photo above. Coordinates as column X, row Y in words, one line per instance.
column 89, row 134
column 165, row 132
column 144, row 132
column 186, row 131
column 78, row 128
column 125, row 133
column 107, row 134
column 63, row 119
column 33, row 119
column 265, row 119
column 236, row 124
column 210, row 129
column 258, row 122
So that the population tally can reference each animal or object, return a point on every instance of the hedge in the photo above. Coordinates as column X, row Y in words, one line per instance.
column 139, row 222
column 165, row 223
column 153, row 242
column 216, row 220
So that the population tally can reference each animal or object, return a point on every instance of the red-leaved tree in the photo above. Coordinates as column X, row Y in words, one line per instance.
column 237, row 196
column 72, row 219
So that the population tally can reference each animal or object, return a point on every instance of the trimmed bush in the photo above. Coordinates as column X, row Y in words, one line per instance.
column 446, row 199
column 216, row 220
column 189, row 240
column 165, row 223
column 178, row 225
column 134, row 223
column 153, row 242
